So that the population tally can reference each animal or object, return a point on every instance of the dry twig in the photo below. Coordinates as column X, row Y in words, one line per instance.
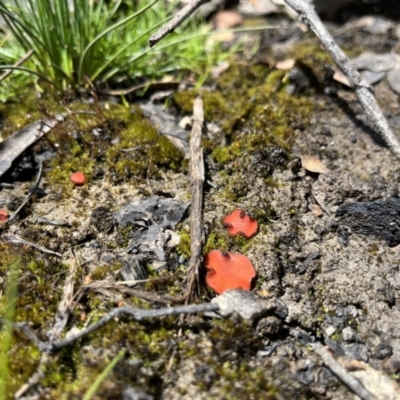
column 196, row 168
column 30, row 194
column 119, row 312
column 363, row 91
column 24, row 58
column 180, row 16
column 349, row 381
column 16, row 239
column 64, row 306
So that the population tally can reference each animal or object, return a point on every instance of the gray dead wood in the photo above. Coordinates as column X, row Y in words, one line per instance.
column 341, row 373
column 180, row 16
column 120, row 312
column 28, row 197
column 61, row 319
column 196, row 169
column 16, row 144
column 18, row 240
column 64, row 306
column 363, row 91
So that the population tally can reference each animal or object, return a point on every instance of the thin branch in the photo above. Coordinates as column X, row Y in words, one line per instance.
column 19, row 240
column 363, row 91
column 64, row 306
column 30, row 194
column 180, row 16
column 137, row 314
column 17, row 64
column 196, row 169
column 341, row 373
column 34, row 378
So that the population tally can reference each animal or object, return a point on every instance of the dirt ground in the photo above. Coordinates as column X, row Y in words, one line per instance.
column 333, row 284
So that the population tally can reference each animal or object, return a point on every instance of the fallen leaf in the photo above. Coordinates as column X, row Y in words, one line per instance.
column 285, row 64
column 313, row 164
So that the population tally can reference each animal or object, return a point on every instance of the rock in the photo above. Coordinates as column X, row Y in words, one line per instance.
column 131, row 393
column 383, row 350
column 247, row 304
column 330, row 330
column 380, row 218
column 334, row 346
column 356, row 351
column 349, row 335
column 134, row 270
column 164, row 212
column 304, row 373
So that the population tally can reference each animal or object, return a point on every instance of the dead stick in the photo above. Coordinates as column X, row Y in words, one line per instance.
column 341, row 373
column 119, row 312
column 176, row 21
column 64, row 306
column 17, row 64
column 196, row 169
column 363, row 91
column 19, row 240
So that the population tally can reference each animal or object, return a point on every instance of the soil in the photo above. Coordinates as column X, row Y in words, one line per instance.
column 337, row 285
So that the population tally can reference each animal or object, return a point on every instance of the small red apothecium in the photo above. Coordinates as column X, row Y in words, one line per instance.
column 228, row 271
column 78, row 178
column 3, row 215
column 240, row 223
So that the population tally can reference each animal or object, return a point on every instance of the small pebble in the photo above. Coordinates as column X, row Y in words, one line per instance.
column 3, row 215
column 78, row 178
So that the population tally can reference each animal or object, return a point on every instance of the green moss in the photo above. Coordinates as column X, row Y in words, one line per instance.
column 147, row 151
column 128, row 146
column 183, row 247
column 232, row 376
column 217, row 241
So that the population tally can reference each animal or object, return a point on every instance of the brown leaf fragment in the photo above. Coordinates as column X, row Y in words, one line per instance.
column 317, row 210
column 340, row 77
column 285, row 64
column 313, row 164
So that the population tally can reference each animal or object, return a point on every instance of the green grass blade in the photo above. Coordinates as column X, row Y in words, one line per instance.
column 106, row 31
column 92, row 390
column 124, row 49
column 28, row 70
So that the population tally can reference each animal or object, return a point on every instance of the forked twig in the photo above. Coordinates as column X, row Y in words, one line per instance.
column 135, row 313
column 180, row 16
column 363, row 91
column 341, row 373
column 196, row 169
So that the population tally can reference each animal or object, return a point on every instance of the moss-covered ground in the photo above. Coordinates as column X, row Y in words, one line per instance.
column 118, row 148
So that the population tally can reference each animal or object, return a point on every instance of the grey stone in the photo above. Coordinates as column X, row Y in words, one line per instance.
column 131, row 393
column 349, row 334
column 134, row 270
column 356, row 351
column 164, row 212
column 247, row 304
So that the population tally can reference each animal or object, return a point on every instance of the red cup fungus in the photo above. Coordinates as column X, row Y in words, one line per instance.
column 78, row 178
column 3, row 215
column 228, row 271
column 240, row 223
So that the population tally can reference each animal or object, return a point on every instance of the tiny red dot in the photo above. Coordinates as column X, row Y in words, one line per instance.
column 78, row 178
column 3, row 215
